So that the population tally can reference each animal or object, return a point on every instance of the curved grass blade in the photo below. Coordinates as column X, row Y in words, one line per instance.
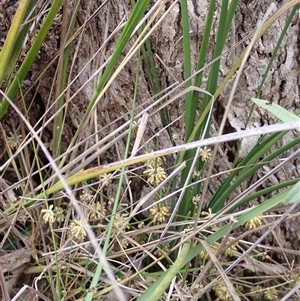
column 230, row 184
column 294, row 195
column 154, row 292
column 136, row 15
column 31, row 55
column 259, row 209
column 12, row 37
column 277, row 110
column 14, row 51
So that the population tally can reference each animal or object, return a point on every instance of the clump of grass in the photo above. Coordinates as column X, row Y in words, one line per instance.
column 71, row 202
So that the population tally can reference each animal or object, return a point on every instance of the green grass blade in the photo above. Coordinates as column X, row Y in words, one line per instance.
column 263, row 192
column 189, row 114
column 11, row 39
column 98, row 271
column 61, row 84
column 149, row 62
column 204, row 48
column 200, row 65
column 136, row 15
column 253, row 156
column 155, row 291
column 264, row 207
column 15, row 51
column 228, row 186
column 31, row 55
column 294, row 195
column 226, row 17
column 214, row 71
column 277, row 110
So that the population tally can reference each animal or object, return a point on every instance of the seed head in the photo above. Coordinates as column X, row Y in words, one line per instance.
column 254, row 222
column 159, row 214
column 77, row 229
column 49, row 216
column 205, row 153
column 155, row 174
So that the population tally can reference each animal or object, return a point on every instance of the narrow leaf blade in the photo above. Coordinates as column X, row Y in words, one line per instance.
column 277, row 110
column 294, row 195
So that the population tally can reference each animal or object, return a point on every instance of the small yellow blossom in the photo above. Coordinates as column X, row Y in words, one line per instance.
column 204, row 255
column 222, row 291
column 155, row 174
column 208, row 214
column 256, row 292
column 59, row 214
column 154, row 162
column 271, row 294
column 12, row 141
column 105, row 179
column 212, row 274
column 22, row 218
column 85, row 197
column 49, row 216
column 77, row 229
column 254, row 222
column 161, row 252
column 120, row 219
column 205, row 154
column 229, row 252
column 98, row 210
column 196, row 199
column 196, row 174
column 159, row 214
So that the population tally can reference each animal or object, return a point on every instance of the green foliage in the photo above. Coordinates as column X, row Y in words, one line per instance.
column 195, row 214
column 277, row 110
column 31, row 54
column 155, row 291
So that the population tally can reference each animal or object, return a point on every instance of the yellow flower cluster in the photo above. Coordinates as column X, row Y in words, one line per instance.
column 98, row 210
column 106, row 179
column 160, row 252
column 50, row 216
column 205, row 154
column 159, row 213
column 78, row 229
column 254, row 222
column 271, row 294
column 154, row 171
column 119, row 220
column 222, row 291
column 85, row 197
